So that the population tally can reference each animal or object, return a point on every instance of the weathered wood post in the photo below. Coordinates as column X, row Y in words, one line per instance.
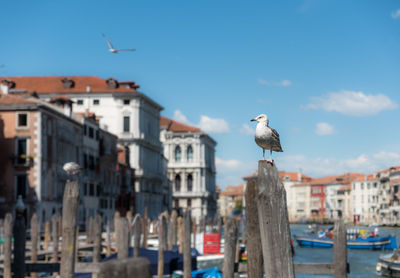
column 137, row 233
column 54, row 232
column 161, row 245
column 90, row 231
column 46, row 236
column 230, row 237
column 170, row 235
column 69, row 223
column 122, row 230
column 219, row 225
column 34, row 240
column 254, row 251
column 97, row 241
column 7, row 245
column 19, row 232
column 145, row 228
column 274, row 222
column 194, row 231
column 187, row 246
column 174, row 230
column 77, row 245
column 180, row 234
column 340, row 250
column 129, row 217
column 108, row 251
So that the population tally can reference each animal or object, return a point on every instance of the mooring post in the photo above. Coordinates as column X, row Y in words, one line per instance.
column 46, row 236
column 137, row 234
column 7, row 245
column 230, row 237
column 194, row 224
column 161, row 245
column 97, row 241
column 254, row 250
column 108, row 239
column 340, row 250
column 69, row 223
column 54, row 227
column 174, row 230
column 274, row 222
column 122, row 237
column 187, row 247
column 34, row 240
column 180, row 234
column 19, row 232
column 145, row 228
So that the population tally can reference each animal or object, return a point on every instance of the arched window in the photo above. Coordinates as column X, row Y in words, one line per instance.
column 190, row 153
column 177, row 183
column 178, row 153
column 190, row 182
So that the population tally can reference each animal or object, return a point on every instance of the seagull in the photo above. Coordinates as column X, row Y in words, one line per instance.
column 72, row 168
column 112, row 49
column 267, row 138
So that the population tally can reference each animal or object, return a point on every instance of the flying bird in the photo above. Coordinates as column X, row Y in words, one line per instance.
column 266, row 137
column 113, row 50
column 72, row 168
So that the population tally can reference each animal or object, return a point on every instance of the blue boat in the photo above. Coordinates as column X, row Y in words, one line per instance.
column 369, row 243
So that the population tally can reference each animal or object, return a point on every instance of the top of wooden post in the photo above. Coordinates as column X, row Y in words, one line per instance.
column 268, row 178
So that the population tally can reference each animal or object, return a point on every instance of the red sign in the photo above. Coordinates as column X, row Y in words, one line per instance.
column 211, row 244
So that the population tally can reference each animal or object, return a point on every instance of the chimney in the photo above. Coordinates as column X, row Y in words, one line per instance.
column 88, row 89
column 4, row 86
column 299, row 175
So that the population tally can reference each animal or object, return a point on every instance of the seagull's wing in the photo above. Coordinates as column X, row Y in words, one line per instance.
column 130, row 49
column 277, row 142
column 108, row 42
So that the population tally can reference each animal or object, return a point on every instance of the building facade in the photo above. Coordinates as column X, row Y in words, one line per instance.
column 191, row 167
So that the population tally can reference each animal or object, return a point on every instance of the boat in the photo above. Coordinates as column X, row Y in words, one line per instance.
column 389, row 264
column 363, row 242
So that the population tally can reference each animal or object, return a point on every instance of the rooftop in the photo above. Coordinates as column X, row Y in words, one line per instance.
column 175, row 126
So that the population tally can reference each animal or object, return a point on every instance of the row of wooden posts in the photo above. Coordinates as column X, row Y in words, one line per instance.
column 267, row 223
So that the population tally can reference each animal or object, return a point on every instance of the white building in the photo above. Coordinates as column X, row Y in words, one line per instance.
column 365, row 197
column 124, row 111
column 191, row 167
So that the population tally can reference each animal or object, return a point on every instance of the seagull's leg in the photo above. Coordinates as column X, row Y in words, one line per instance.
column 270, row 158
column 263, row 154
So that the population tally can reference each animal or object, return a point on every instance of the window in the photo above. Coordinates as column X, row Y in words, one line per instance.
column 91, row 190
column 189, row 203
column 368, row 185
column 85, row 189
column 126, row 124
column 362, row 186
column 79, row 102
column 96, row 102
column 127, row 101
column 189, row 153
column 190, row 182
column 91, row 132
column 22, row 120
column 84, row 130
column 21, row 150
column 21, row 186
column 176, row 203
column 97, row 135
column 178, row 153
column 177, row 183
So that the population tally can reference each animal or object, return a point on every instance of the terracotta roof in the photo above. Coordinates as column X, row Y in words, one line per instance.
column 12, row 99
column 344, row 179
column 175, row 126
column 54, row 84
column 233, row 190
column 345, row 188
column 62, row 98
column 293, row 176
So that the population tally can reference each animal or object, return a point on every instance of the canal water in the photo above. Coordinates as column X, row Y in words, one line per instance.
column 362, row 262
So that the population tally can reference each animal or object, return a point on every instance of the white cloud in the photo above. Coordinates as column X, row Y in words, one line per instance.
column 318, row 167
column 396, row 14
column 230, row 164
column 283, row 83
column 232, row 171
column 246, row 129
column 180, row 117
column 352, row 103
column 324, row 129
column 211, row 125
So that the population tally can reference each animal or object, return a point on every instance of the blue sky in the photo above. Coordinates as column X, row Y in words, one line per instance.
column 327, row 73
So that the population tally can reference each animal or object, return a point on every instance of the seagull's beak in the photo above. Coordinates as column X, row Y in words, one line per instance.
column 253, row 120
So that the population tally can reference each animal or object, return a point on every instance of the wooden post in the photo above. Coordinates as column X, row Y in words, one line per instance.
column 54, row 226
column 129, row 217
column 230, row 236
column 161, row 245
column 90, row 231
column 340, row 250
column 19, row 232
column 274, row 222
column 34, row 240
column 165, row 231
column 108, row 238
column 174, row 230
column 219, row 224
column 170, row 233
column 145, row 228
column 97, row 241
column 187, row 246
column 254, row 251
column 137, row 233
column 194, row 231
column 77, row 245
column 69, row 224
column 7, row 245
column 180, row 234
column 122, row 231
column 46, row 236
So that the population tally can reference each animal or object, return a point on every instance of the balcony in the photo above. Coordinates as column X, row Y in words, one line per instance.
column 23, row 161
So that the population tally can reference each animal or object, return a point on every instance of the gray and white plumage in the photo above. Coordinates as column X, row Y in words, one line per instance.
column 266, row 137
column 72, row 168
column 113, row 50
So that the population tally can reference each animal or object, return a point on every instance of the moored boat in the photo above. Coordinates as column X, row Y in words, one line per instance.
column 389, row 265
column 367, row 242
